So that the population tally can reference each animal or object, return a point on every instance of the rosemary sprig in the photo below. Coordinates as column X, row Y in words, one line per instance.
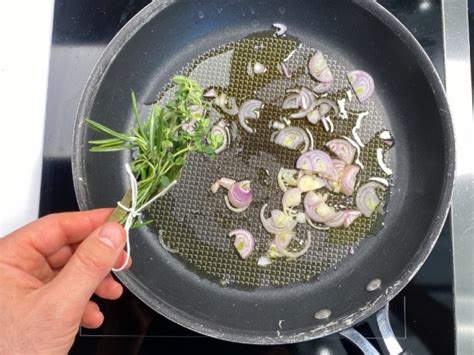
column 161, row 144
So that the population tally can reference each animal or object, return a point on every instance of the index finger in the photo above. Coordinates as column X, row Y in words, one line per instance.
column 48, row 234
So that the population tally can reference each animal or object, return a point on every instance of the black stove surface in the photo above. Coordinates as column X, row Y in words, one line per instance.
column 421, row 315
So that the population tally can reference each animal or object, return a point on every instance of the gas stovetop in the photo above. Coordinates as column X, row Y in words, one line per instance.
column 421, row 315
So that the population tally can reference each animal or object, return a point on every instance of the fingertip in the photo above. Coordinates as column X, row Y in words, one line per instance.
column 99, row 319
column 109, row 289
column 92, row 317
column 117, row 290
column 95, row 320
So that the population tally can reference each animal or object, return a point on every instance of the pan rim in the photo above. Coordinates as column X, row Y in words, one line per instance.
column 208, row 328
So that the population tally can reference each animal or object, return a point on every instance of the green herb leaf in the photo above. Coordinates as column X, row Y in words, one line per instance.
column 136, row 113
column 164, row 181
column 106, row 130
column 179, row 161
column 108, row 149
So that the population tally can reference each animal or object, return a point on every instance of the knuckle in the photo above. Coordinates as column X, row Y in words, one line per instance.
column 51, row 218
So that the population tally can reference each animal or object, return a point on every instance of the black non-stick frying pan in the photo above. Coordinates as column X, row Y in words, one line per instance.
column 168, row 35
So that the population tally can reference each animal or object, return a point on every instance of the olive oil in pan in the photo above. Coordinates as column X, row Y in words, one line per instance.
column 197, row 222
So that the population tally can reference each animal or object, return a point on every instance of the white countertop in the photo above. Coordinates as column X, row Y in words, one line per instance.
column 25, row 39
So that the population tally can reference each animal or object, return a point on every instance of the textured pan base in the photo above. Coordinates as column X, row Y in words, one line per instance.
column 196, row 222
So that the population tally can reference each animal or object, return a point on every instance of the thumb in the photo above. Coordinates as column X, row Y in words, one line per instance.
column 89, row 265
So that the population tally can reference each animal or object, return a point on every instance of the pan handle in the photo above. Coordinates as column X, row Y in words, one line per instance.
column 383, row 321
column 388, row 336
column 359, row 340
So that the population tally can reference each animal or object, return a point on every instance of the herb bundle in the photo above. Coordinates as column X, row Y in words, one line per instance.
column 161, row 144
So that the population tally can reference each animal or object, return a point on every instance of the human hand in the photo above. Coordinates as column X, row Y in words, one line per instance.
column 49, row 270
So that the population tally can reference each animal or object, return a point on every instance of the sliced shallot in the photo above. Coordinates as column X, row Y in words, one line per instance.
column 264, row 261
column 279, row 218
column 273, row 252
column 350, row 216
column 240, row 194
column 321, row 88
column 318, row 227
column 342, row 149
column 250, row 109
column 287, row 177
column 297, row 254
column 323, row 104
column 284, row 239
column 311, row 139
column 310, row 183
column 294, row 138
column 319, row 69
column 367, row 199
column 333, row 185
column 328, row 125
column 278, row 223
column 306, row 98
column 163, row 243
column 220, row 130
column 300, row 217
column 226, row 183
column 328, row 105
column 280, row 29
column 307, row 104
column 259, row 68
column 319, row 162
column 316, row 209
column 339, row 165
column 244, row 242
column 357, row 148
column 228, row 105
column 314, row 116
column 276, row 125
column 215, row 187
column 232, row 208
column 362, row 83
column 291, row 102
column 348, row 179
column 291, row 198
column 324, row 109
column 337, row 220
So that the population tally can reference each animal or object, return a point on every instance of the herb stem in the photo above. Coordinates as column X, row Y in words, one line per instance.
column 182, row 151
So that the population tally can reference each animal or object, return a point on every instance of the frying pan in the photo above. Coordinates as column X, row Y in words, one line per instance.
column 166, row 36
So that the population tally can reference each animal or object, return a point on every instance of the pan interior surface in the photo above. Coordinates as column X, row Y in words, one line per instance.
column 196, row 223
column 169, row 35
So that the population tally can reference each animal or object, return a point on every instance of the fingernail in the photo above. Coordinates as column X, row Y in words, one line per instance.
column 111, row 236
